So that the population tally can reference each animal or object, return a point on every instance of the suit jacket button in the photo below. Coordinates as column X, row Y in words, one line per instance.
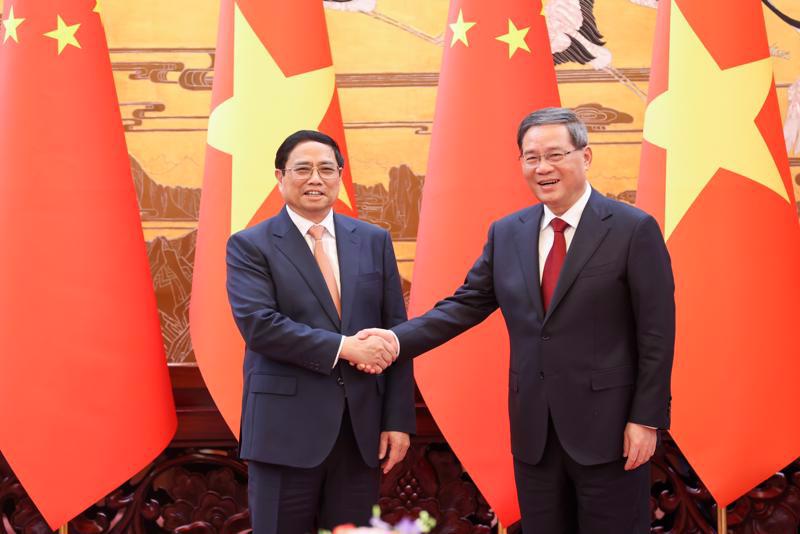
column 340, row 381
column 545, row 338
column 541, row 375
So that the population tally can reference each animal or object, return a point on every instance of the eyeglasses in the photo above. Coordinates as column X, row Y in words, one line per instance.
column 550, row 157
column 329, row 173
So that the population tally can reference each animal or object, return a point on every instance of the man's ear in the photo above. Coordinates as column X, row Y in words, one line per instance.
column 279, row 177
column 587, row 156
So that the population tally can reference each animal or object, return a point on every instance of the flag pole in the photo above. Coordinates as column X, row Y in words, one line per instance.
column 63, row 529
column 500, row 528
column 722, row 519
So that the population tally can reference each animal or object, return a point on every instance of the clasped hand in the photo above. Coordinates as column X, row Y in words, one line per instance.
column 371, row 350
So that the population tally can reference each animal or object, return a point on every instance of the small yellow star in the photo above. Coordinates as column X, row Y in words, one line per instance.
column 515, row 38
column 460, row 29
column 97, row 6
column 11, row 24
column 65, row 35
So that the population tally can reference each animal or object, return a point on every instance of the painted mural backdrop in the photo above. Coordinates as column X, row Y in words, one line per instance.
column 387, row 55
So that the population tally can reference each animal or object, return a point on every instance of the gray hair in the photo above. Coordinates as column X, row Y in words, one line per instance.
column 565, row 116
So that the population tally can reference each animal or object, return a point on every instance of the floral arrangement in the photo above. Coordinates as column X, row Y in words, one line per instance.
column 422, row 525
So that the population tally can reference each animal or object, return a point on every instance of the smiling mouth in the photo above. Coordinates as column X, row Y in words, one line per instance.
column 314, row 194
column 549, row 182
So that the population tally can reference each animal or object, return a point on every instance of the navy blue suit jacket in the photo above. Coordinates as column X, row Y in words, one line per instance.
column 602, row 354
column 293, row 397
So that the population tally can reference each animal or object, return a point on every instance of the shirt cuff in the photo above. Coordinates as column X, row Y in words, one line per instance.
column 338, row 352
column 397, row 343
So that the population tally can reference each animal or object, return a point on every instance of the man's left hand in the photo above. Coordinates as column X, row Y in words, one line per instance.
column 396, row 444
column 639, row 444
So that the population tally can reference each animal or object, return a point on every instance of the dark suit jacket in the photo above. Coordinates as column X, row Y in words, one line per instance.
column 600, row 357
column 293, row 397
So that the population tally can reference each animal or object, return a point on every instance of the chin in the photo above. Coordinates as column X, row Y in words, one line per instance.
column 547, row 198
column 317, row 208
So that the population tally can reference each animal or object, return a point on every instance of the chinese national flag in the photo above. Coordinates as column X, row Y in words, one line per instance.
column 268, row 83
column 85, row 396
column 715, row 174
column 496, row 69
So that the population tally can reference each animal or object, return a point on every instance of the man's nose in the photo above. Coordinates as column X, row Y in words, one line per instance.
column 543, row 167
column 315, row 177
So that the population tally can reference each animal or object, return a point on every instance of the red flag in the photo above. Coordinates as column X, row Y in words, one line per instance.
column 497, row 68
column 715, row 174
column 268, row 83
column 85, row 396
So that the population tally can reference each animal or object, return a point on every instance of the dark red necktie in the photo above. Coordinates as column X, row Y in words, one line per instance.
column 555, row 260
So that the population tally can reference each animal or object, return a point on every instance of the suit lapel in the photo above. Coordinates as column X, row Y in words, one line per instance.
column 527, row 245
column 592, row 229
column 348, row 246
column 296, row 249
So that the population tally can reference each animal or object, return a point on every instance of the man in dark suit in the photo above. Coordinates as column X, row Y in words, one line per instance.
column 313, row 427
column 586, row 289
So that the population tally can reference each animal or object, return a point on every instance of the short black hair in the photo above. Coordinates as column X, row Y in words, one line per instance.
column 282, row 154
column 577, row 129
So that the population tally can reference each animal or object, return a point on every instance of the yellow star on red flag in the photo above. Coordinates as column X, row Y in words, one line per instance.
column 708, row 125
column 460, row 28
column 247, row 122
column 64, row 34
column 11, row 24
column 515, row 38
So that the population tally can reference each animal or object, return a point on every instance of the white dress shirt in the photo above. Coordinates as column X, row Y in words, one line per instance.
column 572, row 217
column 328, row 243
column 328, row 239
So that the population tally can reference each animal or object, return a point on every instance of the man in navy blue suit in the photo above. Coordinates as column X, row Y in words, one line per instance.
column 300, row 284
column 586, row 289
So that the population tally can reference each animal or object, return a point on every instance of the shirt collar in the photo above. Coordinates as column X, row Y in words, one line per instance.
column 304, row 224
column 573, row 215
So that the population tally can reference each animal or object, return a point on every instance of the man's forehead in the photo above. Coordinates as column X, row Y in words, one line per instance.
column 312, row 151
column 546, row 136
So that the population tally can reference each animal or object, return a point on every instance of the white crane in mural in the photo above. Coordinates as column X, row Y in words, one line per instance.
column 573, row 33
column 574, row 36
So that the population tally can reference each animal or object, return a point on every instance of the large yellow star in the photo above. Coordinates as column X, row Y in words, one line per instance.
column 11, row 24
column 97, row 7
column 265, row 108
column 65, row 35
column 460, row 29
column 515, row 38
column 706, row 121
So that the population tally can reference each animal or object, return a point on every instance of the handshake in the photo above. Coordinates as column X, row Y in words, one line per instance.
column 371, row 350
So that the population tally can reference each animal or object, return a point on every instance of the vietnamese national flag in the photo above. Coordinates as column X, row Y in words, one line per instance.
column 85, row 396
column 715, row 174
column 496, row 69
column 273, row 75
